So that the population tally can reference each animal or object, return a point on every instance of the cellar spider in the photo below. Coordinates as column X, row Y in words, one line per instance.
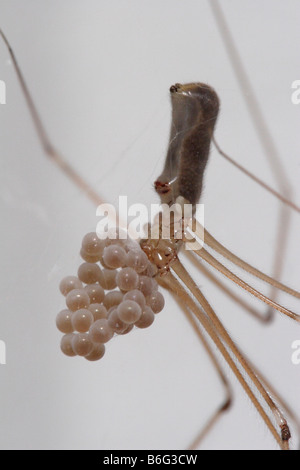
column 66, row 259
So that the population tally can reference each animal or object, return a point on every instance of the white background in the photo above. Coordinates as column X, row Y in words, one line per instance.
column 99, row 72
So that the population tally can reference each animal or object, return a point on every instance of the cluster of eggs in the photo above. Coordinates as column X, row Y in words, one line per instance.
column 113, row 292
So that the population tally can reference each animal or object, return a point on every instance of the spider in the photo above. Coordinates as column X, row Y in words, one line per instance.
column 218, row 128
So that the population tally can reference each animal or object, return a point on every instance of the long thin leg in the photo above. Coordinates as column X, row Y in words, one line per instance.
column 43, row 137
column 225, row 405
column 220, row 267
column 221, row 286
column 63, row 165
column 279, row 400
column 251, row 101
column 222, row 250
column 226, row 339
column 257, row 180
column 265, row 137
column 215, row 330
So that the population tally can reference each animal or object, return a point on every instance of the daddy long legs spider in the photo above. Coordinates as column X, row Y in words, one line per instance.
column 34, row 209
